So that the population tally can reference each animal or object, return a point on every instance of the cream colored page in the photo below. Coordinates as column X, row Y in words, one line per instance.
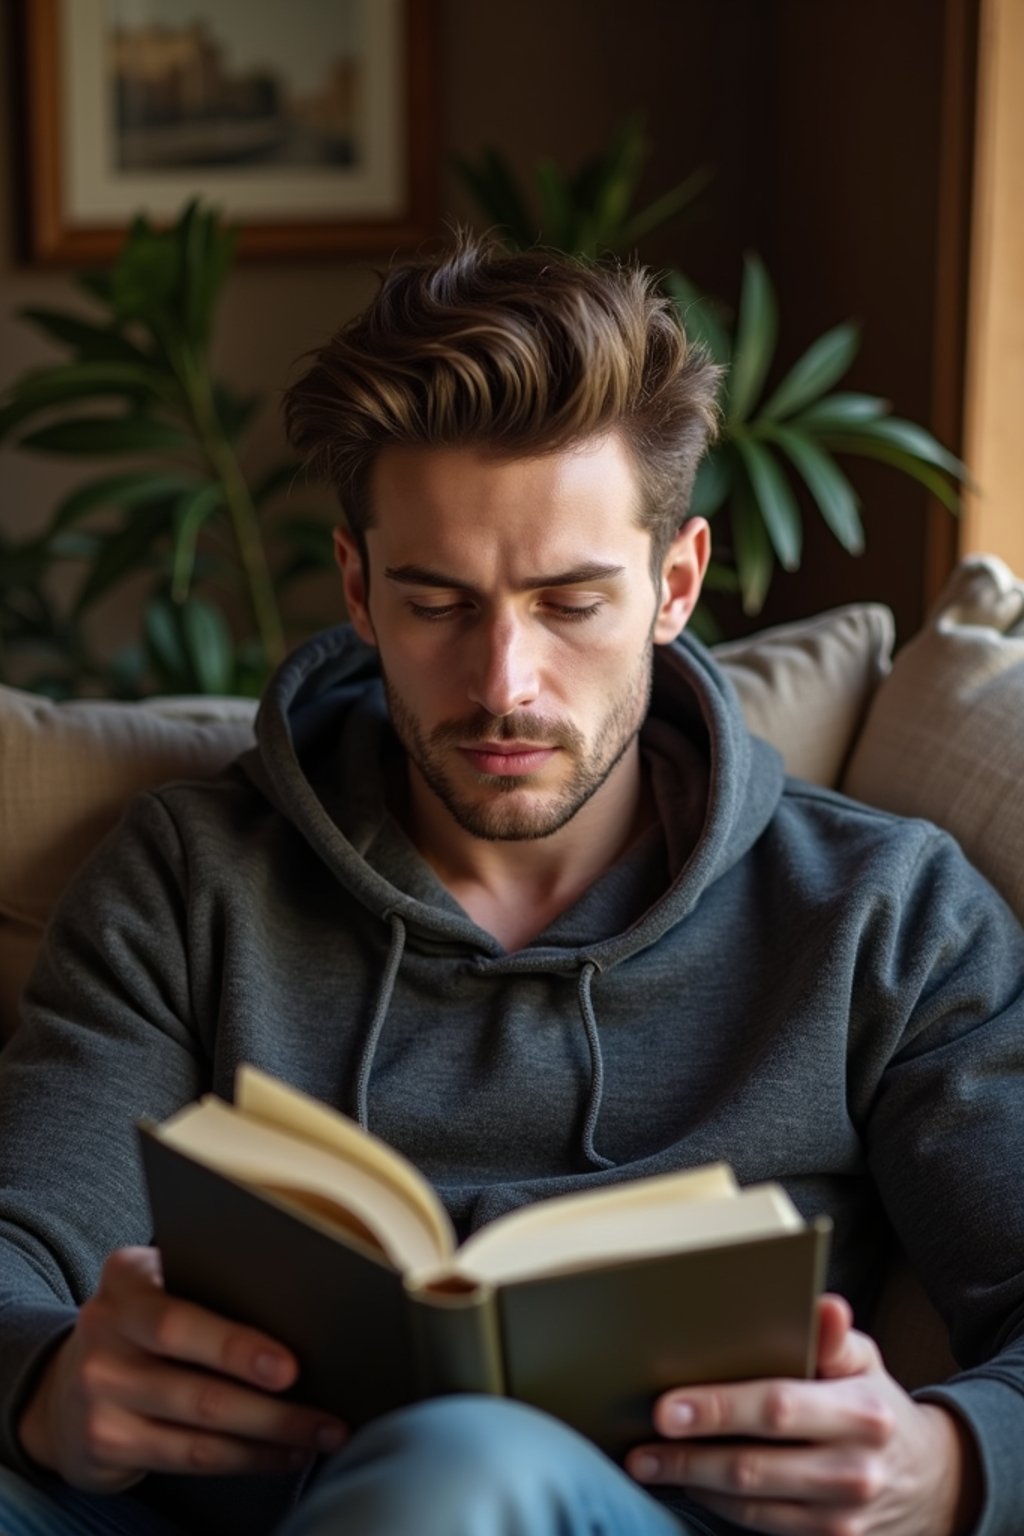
column 266, row 1098
column 555, row 1226
column 645, row 1232
column 257, row 1154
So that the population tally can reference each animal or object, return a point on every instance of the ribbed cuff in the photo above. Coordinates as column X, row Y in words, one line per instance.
column 994, row 1412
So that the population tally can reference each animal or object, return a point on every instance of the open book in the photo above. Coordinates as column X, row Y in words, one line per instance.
column 284, row 1214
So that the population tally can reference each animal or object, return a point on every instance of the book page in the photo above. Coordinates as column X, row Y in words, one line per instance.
column 598, row 1232
column 310, row 1178
column 266, row 1098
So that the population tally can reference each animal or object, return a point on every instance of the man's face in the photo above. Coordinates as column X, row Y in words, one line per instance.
column 512, row 605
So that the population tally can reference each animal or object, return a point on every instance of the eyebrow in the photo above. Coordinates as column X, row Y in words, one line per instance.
column 423, row 576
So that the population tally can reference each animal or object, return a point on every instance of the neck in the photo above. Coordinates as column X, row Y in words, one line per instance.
column 514, row 889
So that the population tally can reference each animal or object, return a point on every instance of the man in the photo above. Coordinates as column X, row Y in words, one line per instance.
column 508, row 879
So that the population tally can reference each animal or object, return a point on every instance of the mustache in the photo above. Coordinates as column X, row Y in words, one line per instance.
column 521, row 726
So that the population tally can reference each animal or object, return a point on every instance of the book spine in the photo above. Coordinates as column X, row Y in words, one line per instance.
column 456, row 1341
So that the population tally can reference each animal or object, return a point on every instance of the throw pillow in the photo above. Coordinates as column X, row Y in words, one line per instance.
column 944, row 738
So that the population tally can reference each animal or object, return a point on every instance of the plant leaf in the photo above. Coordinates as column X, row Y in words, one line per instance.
column 93, row 343
column 208, row 645
column 919, row 444
column 824, row 362
column 98, row 435
column 131, row 548
column 165, row 646
column 70, row 381
column 839, row 411
column 146, row 274
column 751, row 547
column 617, row 185
column 556, row 212
column 190, row 514
column 700, row 317
column 774, row 500
column 98, row 284
column 126, row 491
column 756, row 331
column 668, row 206
column 833, row 494
column 498, row 193
column 873, row 448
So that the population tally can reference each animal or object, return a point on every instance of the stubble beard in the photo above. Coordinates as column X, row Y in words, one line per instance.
column 503, row 813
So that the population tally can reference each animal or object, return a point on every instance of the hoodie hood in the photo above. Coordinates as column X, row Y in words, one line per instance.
column 326, row 752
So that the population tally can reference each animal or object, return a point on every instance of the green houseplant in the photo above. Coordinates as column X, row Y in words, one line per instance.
column 767, row 438
column 217, row 555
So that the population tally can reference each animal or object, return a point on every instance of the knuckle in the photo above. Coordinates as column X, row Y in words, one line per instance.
column 168, row 1329
column 843, row 1524
column 864, row 1481
column 780, row 1408
column 93, row 1318
column 95, row 1376
column 211, row 1402
column 101, row 1436
column 203, row 1454
column 745, row 1471
column 878, row 1421
column 234, row 1351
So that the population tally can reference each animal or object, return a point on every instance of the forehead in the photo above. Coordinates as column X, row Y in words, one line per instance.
column 468, row 504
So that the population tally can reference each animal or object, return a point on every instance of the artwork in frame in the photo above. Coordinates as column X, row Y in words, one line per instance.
column 311, row 124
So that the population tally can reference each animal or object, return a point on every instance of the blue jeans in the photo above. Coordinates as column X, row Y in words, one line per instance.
column 454, row 1466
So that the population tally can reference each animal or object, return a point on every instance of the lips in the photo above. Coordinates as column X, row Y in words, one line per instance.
column 507, row 759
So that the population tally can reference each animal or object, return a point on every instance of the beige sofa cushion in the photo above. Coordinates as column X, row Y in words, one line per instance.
column 806, row 687
column 944, row 737
column 66, row 771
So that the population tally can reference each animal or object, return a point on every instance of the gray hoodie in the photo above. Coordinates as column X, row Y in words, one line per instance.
column 813, row 990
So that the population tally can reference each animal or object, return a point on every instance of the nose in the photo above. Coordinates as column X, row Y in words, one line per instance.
column 503, row 674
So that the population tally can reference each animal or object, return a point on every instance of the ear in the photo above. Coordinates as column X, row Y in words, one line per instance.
column 354, row 584
column 682, row 574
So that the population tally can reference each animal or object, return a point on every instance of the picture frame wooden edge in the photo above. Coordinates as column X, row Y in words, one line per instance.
column 51, row 242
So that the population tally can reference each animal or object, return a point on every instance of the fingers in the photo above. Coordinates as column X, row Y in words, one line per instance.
column 757, row 1473
column 777, row 1410
column 842, row 1351
column 150, row 1383
column 135, row 1383
column 132, row 1304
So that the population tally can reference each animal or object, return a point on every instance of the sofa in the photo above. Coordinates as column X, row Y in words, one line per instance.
column 936, row 731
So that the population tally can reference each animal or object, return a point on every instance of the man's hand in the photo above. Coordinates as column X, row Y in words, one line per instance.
column 847, row 1455
column 145, row 1383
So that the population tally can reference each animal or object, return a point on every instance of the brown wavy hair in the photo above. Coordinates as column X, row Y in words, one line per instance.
column 524, row 353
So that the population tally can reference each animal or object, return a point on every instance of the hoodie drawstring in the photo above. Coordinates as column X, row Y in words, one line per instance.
column 588, row 1016
column 396, row 949
column 387, row 986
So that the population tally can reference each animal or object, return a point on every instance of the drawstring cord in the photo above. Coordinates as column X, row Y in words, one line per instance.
column 396, row 950
column 596, row 1067
column 387, row 986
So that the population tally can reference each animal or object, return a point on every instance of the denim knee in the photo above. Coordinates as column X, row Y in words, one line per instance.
column 474, row 1466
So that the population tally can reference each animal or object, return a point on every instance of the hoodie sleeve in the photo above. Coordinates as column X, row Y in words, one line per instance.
column 106, row 1037
column 946, row 1143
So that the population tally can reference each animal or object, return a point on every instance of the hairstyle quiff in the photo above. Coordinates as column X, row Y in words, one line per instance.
column 521, row 352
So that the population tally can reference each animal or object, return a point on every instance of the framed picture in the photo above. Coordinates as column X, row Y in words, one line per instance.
column 312, row 124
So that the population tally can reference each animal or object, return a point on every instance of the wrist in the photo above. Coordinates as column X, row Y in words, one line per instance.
column 34, row 1430
column 957, row 1455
